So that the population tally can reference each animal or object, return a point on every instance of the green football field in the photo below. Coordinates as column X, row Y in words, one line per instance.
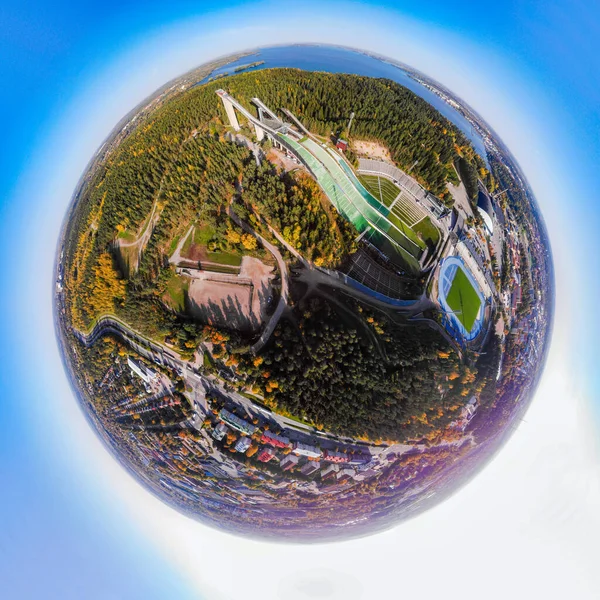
column 463, row 299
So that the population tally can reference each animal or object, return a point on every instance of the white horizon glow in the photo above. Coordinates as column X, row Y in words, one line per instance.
column 532, row 510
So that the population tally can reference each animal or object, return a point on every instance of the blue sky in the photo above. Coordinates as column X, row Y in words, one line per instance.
column 72, row 524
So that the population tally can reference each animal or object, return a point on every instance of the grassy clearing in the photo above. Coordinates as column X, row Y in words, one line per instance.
column 428, row 231
column 173, row 245
column 185, row 249
column 126, row 236
column 389, row 191
column 224, row 258
column 128, row 259
column 220, row 269
column 176, row 292
column 463, row 299
column 203, row 234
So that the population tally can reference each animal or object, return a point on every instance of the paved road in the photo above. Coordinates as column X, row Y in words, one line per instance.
column 177, row 258
column 285, row 281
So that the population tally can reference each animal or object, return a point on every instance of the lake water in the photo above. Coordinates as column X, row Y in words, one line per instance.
column 342, row 60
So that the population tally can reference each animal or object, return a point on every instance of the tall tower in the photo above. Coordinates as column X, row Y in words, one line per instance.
column 229, row 109
column 350, row 122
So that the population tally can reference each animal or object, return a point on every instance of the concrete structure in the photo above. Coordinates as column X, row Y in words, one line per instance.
column 243, row 444
column 268, row 123
column 291, row 460
column 220, row 431
column 147, row 375
column 306, row 450
column 312, row 466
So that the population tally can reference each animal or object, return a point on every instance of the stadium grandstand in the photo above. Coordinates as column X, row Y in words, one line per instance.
column 366, row 271
column 485, row 208
column 436, row 207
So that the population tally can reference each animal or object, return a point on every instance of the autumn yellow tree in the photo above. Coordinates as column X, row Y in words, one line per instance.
column 107, row 287
column 233, row 237
column 249, row 241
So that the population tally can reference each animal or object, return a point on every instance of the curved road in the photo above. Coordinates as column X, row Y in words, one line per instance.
column 285, row 281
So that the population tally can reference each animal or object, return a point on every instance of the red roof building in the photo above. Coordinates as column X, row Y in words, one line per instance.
column 335, row 457
column 265, row 455
column 277, row 441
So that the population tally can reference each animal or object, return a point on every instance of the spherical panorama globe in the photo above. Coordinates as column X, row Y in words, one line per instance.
column 303, row 293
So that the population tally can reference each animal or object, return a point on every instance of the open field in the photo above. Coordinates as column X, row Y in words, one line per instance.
column 175, row 295
column 463, row 299
column 376, row 184
column 127, row 236
column 371, row 149
column 428, row 231
column 224, row 258
column 232, row 301
column 203, row 234
column 195, row 250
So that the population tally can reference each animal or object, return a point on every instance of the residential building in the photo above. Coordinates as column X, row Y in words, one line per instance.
column 220, row 431
column 310, row 467
column 335, row 457
column 306, row 450
column 236, row 422
column 289, row 461
column 329, row 472
column 265, row 455
column 243, row 444
column 277, row 441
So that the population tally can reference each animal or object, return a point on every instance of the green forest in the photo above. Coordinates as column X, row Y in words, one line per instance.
column 297, row 208
column 389, row 382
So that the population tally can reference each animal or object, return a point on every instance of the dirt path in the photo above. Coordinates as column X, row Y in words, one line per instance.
column 146, row 233
column 176, row 258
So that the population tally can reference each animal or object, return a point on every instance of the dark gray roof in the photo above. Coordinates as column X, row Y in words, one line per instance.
column 484, row 202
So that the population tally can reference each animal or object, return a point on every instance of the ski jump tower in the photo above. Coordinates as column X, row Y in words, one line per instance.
column 267, row 124
column 231, row 105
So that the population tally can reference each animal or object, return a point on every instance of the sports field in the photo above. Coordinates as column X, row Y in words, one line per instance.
column 463, row 299
column 408, row 216
column 383, row 189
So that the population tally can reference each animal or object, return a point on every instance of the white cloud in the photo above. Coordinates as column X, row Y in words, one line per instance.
column 524, row 528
